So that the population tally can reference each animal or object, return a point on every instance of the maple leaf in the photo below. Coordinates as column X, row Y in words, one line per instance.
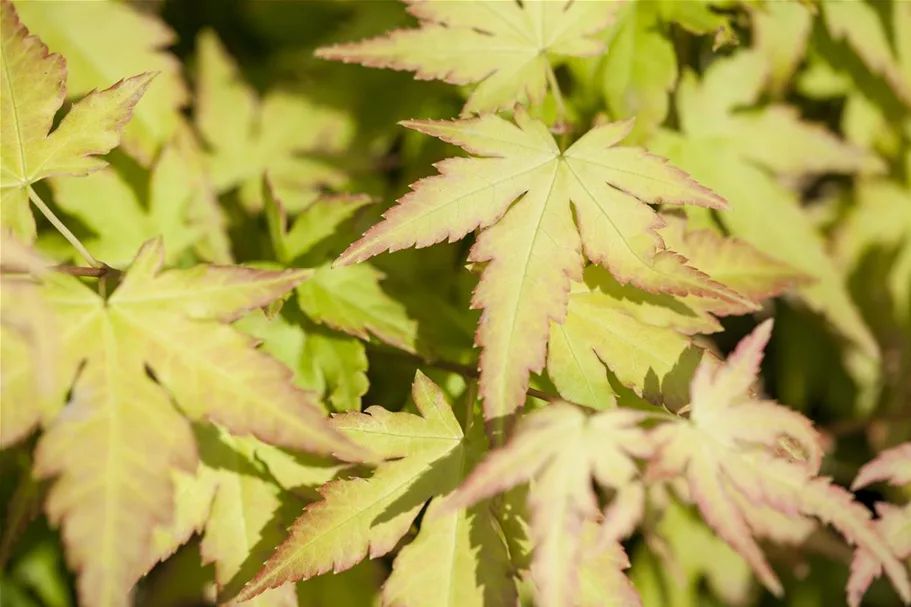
column 892, row 466
column 508, row 47
column 457, row 558
column 32, row 90
column 562, row 448
column 735, row 152
column 750, row 463
column 780, row 33
column 640, row 68
column 862, row 28
column 29, row 340
column 122, row 422
column 282, row 133
column 124, row 42
column 732, row 262
column 522, row 194
column 111, row 208
column 602, row 328
column 346, row 299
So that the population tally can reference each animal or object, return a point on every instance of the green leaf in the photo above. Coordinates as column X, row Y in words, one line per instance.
column 121, row 222
column 283, row 134
column 639, row 68
column 656, row 362
column 427, row 456
column 735, row 152
column 32, row 91
column 351, row 300
column 123, row 42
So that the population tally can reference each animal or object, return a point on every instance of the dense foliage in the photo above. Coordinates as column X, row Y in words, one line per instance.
column 473, row 303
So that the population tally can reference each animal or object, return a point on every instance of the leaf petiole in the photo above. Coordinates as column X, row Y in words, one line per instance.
column 70, row 237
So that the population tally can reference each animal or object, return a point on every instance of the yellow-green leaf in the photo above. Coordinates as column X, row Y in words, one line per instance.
column 32, row 90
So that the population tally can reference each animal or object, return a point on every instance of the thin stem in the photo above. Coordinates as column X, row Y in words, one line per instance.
column 71, row 238
column 558, row 95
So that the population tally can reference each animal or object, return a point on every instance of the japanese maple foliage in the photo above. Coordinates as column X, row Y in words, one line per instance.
column 280, row 330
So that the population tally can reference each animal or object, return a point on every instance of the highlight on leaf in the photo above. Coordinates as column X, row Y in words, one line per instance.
column 508, row 47
column 522, row 191
column 751, row 465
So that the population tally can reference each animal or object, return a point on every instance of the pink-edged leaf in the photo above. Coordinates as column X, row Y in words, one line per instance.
column 522, row 192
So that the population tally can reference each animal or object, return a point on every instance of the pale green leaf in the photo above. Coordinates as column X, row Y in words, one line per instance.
column 860, row 26
column 655, row 361
column 121, row 221
column 32, row 90
column 350, row 299
column 763, row 212
column 282, row 134
column 428, row 456
column 533, row 248
column 506, row 47
column 781, row 31
column 123, row 42
column 639, row 68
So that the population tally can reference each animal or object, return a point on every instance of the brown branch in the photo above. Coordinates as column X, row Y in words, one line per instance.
column 847, row 427
column 88, row 272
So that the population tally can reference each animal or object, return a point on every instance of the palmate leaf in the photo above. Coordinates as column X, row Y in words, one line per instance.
column 737, row 153
column 121, row 221
column 507, row 47
column 522, row 191
column 281, row 133
column 125, row 41
column 458, row 558
column 28, row 340
column 114, row 444
column 601, row 328
column 751, row 465
column 894, row 522
column 32, row 90
column 562, row 449
column 642, row 337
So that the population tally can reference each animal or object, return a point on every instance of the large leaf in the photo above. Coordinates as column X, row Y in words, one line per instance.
column 113, row 446
column 522, row 191
column 123, row 42
column 562, row 449
column 508, row 47
column 32, row 90
column 751, row 467
column 458, row 558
